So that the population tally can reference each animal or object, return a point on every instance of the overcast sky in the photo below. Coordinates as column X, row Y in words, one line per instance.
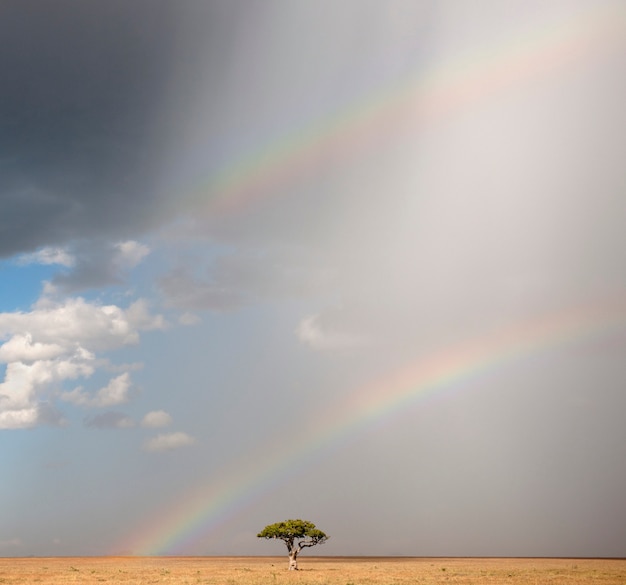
column 357, row 262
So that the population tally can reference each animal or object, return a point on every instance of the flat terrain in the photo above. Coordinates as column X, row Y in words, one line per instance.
column 313, row 571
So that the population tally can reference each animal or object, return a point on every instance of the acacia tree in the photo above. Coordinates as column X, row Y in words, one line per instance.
column 296, row 534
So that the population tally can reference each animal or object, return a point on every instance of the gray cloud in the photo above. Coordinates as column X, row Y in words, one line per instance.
column 98, row 264
column 243, row 277
column 182, row 289
column 48, row 414
column 109, row 420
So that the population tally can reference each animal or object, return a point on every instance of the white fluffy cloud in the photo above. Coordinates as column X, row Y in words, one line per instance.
column 156, row 419
column 20, row 348
column 168, row 441
column 114, row 393
column 73, row 323
column 56, row 342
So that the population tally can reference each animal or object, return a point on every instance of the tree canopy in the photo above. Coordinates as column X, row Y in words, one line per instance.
column 296, row 534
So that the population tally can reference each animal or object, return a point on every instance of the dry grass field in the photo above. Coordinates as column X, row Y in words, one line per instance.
column 313, row 571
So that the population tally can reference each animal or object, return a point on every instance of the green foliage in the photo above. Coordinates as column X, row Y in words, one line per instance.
column 291, row 531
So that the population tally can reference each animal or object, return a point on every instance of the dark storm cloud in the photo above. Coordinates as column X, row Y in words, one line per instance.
column 82, row 87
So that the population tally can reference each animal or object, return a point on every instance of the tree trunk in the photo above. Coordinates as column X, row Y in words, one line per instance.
column 293, row 563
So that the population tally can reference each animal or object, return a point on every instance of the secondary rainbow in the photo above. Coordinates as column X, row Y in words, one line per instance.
column 406, row 105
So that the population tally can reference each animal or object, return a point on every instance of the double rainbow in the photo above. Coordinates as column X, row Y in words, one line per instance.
column 452, row 86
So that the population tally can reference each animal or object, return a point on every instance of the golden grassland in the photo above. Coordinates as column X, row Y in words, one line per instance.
column 313, row 571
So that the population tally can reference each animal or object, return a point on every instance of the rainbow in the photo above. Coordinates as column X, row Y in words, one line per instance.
column 205, row 507
column 407, row 106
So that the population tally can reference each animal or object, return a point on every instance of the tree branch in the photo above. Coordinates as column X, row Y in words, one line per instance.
column 307, row 543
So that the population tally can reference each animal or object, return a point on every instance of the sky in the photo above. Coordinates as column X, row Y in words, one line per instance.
column 356, row 262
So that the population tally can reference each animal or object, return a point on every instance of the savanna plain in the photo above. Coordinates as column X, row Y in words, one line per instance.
column 313, row 571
